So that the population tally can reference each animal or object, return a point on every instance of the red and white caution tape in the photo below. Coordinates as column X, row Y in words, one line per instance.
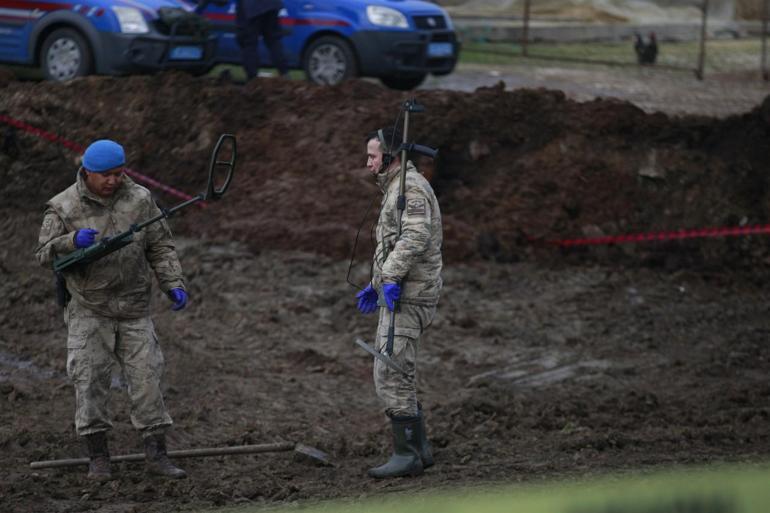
column 79, row 148
column 697, row 233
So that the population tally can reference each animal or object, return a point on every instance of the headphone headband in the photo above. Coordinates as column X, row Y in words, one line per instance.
column 383, row 143
column 387, row 156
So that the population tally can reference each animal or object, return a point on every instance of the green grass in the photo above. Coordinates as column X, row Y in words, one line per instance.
column 239, row 75
column 24, row 72
column 714, row 490
column 721, row 55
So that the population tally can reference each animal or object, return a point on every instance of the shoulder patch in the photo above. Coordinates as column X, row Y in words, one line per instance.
column 415, row 207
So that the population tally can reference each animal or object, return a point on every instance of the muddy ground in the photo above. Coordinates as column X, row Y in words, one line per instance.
column 542, row 363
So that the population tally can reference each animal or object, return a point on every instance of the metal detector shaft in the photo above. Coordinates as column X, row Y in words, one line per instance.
column 401, row 206
column 185, row 453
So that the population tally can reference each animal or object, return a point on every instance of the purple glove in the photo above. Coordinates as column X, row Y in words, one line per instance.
column 391, row 291
column 367, row 300
column 179, row 297
column 85, row 237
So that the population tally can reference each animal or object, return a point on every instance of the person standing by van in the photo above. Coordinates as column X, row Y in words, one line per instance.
column 255, row 19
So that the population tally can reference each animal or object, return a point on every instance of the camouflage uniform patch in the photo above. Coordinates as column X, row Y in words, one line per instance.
column 415, row 207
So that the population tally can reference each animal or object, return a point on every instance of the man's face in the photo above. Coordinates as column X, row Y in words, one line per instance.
column 104, row 184
column 373, row 156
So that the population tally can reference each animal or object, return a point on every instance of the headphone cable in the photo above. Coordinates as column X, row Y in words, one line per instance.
column 355, row 244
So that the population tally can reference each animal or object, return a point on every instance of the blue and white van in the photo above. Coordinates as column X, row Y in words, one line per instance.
column 67, row 39
column 398, row 41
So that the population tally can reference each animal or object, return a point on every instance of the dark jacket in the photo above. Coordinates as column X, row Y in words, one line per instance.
column 248, row 9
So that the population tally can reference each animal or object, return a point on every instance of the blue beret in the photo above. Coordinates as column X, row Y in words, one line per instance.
column 103, row 155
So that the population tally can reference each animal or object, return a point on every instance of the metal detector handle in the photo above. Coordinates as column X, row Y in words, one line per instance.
column 419, row 148
column 391, row 333
column 213, row 193
column 413, row 106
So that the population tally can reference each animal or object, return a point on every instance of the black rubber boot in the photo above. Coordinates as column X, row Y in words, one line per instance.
column 156, row 459
column 424, row 447
column 405, row 460
column 99, row 456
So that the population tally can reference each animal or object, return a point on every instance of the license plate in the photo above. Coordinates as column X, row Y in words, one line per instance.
column 186, row 53
column 440, row 49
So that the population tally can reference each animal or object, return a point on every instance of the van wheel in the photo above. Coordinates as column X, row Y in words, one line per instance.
column 329, row 60
column 403, row 82
column 65, row 55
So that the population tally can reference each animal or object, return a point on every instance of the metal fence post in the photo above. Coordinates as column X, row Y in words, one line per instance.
column 702, row 51
column 525, row 31
column 763, row 64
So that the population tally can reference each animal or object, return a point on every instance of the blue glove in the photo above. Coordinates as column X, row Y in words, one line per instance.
column 367, row 300
column 179, row 297
column 391, row 291
column 85, row 237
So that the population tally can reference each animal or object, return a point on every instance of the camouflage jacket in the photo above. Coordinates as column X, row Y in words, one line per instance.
column 119, row 284
column 414, row 260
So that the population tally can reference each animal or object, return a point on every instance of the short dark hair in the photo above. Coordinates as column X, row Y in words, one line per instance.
column 392, row 136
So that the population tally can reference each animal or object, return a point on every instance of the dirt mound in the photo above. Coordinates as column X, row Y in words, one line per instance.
column 514, row 166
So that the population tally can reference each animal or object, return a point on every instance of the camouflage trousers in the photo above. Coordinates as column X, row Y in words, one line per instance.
column 399, row 392
column 94, row 344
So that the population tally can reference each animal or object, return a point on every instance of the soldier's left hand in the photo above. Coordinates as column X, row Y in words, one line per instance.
column 391, row 291
column 179, row 297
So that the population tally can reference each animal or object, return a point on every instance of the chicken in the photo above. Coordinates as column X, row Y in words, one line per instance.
column 646, row 52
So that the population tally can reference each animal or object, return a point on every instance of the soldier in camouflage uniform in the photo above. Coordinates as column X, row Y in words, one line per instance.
column 407, row 278
column 108, row 316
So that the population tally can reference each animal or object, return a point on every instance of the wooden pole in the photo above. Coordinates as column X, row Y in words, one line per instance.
column 765, row 14
column 185, row 453
column 702, row 52
column 525, row 31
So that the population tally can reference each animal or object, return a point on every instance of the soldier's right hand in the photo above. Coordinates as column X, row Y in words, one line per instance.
column 85, row 237
column 367, row 300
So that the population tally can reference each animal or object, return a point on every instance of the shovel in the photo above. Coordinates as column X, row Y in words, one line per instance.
column 381, row 357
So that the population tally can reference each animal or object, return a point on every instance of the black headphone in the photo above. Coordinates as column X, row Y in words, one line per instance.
column 387, row 156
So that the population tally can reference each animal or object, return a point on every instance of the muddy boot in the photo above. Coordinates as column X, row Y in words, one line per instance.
column 99, row 456
column 156, row 459
column 424, row 447
column 405, row 460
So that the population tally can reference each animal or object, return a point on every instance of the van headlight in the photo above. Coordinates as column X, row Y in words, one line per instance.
column 385, row 17
column 131, row 20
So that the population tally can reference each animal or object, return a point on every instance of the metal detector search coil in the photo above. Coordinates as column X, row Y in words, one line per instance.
column 212, row 192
